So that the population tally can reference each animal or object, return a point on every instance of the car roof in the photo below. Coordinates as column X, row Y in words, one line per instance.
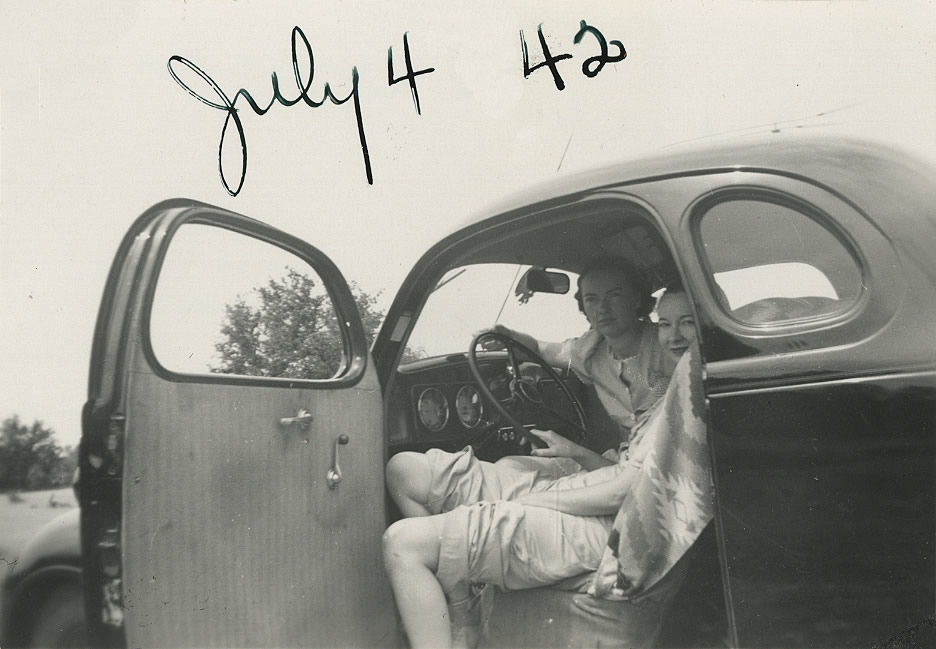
column 866, row 172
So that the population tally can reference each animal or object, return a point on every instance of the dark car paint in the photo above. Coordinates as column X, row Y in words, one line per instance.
column 51, row 559
column 824, row 492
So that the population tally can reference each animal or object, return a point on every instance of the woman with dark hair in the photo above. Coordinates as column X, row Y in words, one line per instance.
column 504, row 523
column 675, row 324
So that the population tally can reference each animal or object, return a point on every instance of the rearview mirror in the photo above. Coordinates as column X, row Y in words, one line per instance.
column 540, row 280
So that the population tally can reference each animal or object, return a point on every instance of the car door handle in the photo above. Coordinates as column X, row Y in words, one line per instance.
column 303, row 420
column 333, row 477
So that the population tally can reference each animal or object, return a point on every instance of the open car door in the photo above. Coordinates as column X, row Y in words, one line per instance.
column 232, row 477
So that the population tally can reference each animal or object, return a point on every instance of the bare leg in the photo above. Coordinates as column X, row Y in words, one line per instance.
column 408, row 478
column 411, row 557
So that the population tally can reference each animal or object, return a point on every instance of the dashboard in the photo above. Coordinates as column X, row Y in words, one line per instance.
column 436, row 403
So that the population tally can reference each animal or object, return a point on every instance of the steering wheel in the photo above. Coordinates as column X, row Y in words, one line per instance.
column 524, row 395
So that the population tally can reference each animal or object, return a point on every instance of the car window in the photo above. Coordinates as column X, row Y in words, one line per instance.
column 478, row 296
column 772, row 263
column 226, row 303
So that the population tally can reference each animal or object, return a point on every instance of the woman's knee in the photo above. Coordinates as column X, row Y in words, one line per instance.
column 408, row 475
column 412, row 541
column 393, row 542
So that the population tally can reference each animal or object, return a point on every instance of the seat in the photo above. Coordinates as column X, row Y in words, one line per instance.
column 670, row 614
column 781, row 309
column 555, row 617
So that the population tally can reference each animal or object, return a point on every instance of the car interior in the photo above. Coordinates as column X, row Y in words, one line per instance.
column 450, row 389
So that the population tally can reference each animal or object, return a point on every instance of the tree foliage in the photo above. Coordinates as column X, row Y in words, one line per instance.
column 288, row 328
column 30, row 458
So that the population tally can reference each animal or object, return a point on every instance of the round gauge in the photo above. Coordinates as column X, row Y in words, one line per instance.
column 468, row 406
column 433, row 409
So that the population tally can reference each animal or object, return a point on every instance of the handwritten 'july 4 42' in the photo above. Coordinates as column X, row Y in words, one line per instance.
column 303, row 79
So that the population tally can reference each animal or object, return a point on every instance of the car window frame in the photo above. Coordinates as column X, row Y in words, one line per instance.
column 776, row 353
column 355, row 354
column 703, row 206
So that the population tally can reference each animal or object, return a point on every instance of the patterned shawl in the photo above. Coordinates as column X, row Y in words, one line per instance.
column 671, row 500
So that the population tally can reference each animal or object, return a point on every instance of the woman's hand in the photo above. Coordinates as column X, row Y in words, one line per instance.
column 556, row 445
column 492, row 345
column 559, row 446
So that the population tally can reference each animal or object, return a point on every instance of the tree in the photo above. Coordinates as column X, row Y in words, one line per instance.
column 292, row 330
column 29, row 456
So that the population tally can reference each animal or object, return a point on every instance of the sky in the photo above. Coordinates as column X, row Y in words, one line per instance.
column 94, row 129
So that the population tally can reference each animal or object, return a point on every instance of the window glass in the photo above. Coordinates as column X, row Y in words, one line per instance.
column 772, row 263
column 231, row 304
column 479, row 296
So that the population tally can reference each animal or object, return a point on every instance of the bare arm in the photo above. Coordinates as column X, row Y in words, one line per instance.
column 594, row 500
column 559, row 446
column 548, row 350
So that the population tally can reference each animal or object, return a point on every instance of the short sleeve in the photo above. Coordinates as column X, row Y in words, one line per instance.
column 556, row 354
column 571, row 354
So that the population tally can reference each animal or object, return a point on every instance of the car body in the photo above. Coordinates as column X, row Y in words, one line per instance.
column 42, row 596
column 809, row 265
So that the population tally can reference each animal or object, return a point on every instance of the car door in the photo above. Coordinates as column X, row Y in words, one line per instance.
column 816, row 331
column 229, row 499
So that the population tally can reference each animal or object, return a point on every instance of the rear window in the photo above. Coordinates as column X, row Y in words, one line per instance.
column 772, row 263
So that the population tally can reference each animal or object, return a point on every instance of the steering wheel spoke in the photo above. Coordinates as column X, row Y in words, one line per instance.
column 513, row 362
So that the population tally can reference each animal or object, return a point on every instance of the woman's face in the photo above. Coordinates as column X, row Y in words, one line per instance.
column 676, row 325
column 610, row 302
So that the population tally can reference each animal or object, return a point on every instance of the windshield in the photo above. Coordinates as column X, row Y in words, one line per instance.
column 475, row 297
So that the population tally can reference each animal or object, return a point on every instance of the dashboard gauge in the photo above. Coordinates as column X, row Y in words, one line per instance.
column 433, row 409
column 468, row 406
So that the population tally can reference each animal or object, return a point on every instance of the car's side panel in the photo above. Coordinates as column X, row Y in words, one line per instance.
column 827, row 500
column 233, row 536
column 821, row 430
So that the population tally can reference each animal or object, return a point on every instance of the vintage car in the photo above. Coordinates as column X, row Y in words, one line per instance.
column 42, row 602
column 237, row 503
